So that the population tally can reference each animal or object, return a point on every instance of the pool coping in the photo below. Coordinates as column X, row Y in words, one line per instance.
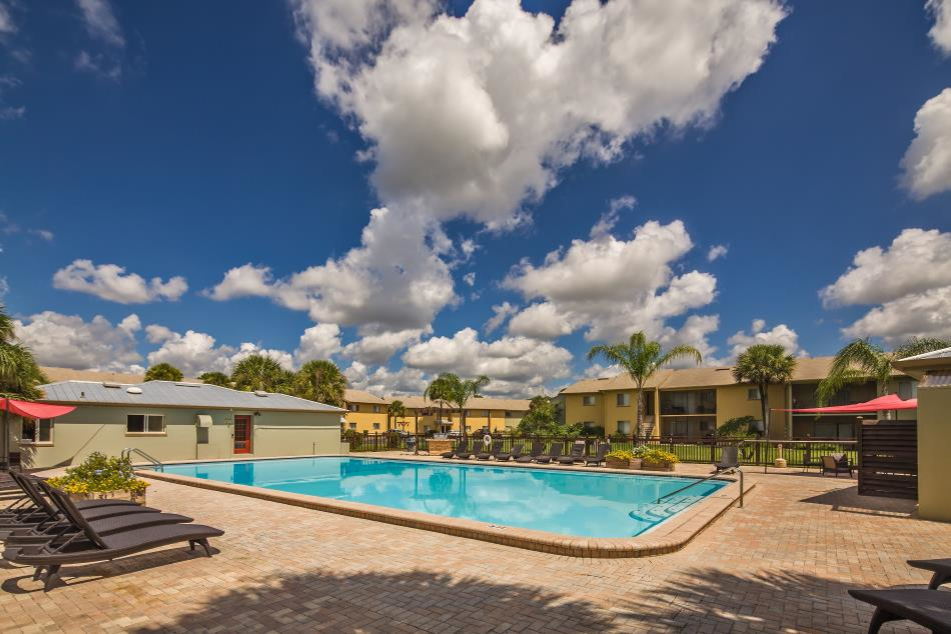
column 669, row 536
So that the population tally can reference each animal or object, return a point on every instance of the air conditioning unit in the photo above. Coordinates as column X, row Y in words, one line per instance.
column 204, row 420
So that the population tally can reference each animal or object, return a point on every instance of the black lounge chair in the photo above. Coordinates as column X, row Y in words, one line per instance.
column 928, row 608
column 940, row 567
column 465, row 455
column 491, row 453
column 538, row 448
column 515, row 453
column 554, row 454
column 463, row 447
column 597, row 459
column 729, row 459
column 577, row 453
column 89, row 546
column 836, row 464
column 107, row 526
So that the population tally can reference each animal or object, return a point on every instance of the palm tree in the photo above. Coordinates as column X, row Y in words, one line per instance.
column 861, row 359
column 215, row 378
column 764, row 364
column 164, row 372
column 321, row 381
column 458, row 392
column 438, row 390
column 20, row 374
column 395, row 410
column 641, row 359
column 258, row 372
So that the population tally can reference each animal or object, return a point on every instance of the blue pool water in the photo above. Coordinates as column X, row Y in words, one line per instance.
column 582, row 504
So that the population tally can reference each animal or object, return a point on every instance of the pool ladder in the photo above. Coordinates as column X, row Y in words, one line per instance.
column 128, row 451
column 652, row 509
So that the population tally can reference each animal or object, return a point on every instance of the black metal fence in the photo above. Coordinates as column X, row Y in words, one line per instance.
column 797, row 453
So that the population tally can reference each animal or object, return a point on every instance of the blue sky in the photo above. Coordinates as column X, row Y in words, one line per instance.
column 188, row 140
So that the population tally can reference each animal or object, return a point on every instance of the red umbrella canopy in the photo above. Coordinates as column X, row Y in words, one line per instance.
column 891, row 402
column 28, row 409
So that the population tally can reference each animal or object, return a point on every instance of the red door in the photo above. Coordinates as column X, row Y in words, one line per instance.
column 242, row 434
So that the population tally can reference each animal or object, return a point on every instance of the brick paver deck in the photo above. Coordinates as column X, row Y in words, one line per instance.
column 782, row 564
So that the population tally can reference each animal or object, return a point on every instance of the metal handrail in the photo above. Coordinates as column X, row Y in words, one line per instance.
column 709, row 477
column 128, row 451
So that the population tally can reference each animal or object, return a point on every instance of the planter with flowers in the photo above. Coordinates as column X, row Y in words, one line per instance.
column 618, row 459
column 658, row 460
column 100, row 477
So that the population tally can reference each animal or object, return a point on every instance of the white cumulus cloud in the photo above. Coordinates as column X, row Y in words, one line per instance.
column 196, row 352
column 69, row 341
column 716, row 252
column 926, row 166
column 112, row 283
column 376, row 349
column 318, row 342
column 941, row 31
column 780, row 334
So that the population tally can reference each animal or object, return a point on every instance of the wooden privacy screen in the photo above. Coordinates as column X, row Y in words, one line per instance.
column 888, row 458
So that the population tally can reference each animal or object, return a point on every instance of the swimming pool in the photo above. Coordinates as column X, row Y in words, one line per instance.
column 581, row 504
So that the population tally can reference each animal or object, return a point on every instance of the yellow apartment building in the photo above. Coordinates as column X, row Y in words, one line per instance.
column 496, row 414
column 693, row 402
column 366, row 412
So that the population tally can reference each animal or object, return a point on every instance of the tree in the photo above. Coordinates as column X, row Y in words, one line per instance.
column 641, row 358
column 216, row 378
column 259, row 372
column 457, row 392
column 321, row 381
column 764, row 364
column 395, row 411
column 20, row 374
column 541, row 419
column 438, row 390
column 861, row 359
column 164, row 372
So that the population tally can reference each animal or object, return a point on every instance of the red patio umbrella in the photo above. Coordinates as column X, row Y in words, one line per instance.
column 26, row 409
column 891, row 402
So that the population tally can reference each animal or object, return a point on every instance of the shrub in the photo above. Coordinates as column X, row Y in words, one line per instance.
column 100, row 474
column 619, row 454
column 658, row 456
column 640, row 450
column 741, row 427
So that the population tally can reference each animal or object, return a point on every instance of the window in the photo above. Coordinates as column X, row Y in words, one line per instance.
column 623, row 399
column 488, row 414
column 708, row 427
column 376, row 425
column 353, row 407
column 752, row 394
column 624, row 427
column 376, row 409
column 906, row 390
column 37, row 431
column 145, row 424
column 587, row 400
column 688, row 402
column 353, row 425
column 508, row 414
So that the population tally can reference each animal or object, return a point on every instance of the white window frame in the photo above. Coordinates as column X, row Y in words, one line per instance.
column 376, row 426
column 37, row 422
column 627, row 424
column 353, row 426
column 586, row 398
column 145, row 425
column 623, row 396
column 353, row 407
column 376, row 409
column 752, row 394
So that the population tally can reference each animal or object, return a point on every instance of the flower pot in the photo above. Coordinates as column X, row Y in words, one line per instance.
column 658, row 466
column 616, row 463
column 108, row 495
column 636, row 463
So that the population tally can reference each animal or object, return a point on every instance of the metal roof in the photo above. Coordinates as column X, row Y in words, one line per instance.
column 176, row 394
column 934, row 354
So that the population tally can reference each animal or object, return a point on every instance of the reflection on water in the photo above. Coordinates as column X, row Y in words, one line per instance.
column 588, row 504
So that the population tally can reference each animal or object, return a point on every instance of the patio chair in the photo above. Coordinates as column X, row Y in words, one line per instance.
column 554, row 454
column 729, row 459
column 90, row 546
column 465, row 455
column 807, row 461
column 603, row 450
column 538, row 448
column 940, row 567
column 832, row 465
column 577, row 453
column 928, row 608
column 463, row 447
column 515, row 453
column 492, row 453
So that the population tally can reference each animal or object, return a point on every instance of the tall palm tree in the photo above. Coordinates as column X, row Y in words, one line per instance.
column 395, row 411
column 861, row 359
column 438, row 390
column 764, row 364
column 20, row 374
column 215, row 378
column 458, row 392
column 641, row 358
column 258, row 372
column 164, row 372
column 321, row 381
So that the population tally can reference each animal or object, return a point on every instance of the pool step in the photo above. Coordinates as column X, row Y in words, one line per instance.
column 654, row 513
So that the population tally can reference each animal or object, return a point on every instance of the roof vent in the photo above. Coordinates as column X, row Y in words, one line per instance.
column 260, row 393
column 188, row 384
column 112, row 385
column 134, row 390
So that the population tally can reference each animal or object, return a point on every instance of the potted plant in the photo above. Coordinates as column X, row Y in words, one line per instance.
column 659, row 460
column 637, row 456
column 101, row 477
column 618, row 459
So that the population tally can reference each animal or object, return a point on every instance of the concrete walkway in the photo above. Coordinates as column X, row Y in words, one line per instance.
column 782, row 564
